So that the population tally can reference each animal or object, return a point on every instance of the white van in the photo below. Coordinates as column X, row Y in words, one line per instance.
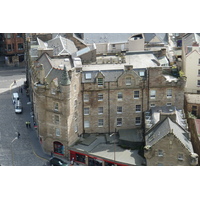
column 18, row 107
column 15, row 97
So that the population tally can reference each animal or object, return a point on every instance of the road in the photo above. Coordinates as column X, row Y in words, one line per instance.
column 18, row 152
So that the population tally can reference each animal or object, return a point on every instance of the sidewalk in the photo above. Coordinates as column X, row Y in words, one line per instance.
column 33, row 134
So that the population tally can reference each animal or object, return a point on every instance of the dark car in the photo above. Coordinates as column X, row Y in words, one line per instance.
column 57, row 162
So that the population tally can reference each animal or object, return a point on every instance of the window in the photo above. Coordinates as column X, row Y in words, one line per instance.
column 198, row 82
column 141, row 73
column 86, row 111
column 198, row 91
column 100, row 97
column 136, row 94
column 100, row 110
column 9, row 47
column 20, row 46
column 168, row 104
column 86, row 124
column 119, row 109
column 128, row 81
column 57, row 132
column 100, row 81
column 199, row 72
column 194, row 110
column 86, row 97
column 137, row 121
column 120, row 96
column 8, row 35
column 57, row 119
column 119, row 121
column 152, row 105
column 199, row 61
column 152, row 94
column 19, row 34
column 75, row 128
column 100, row 123
column 56, row 106
column 180, row 157
column 160, row 153
column 138, row 108
column 113, row 46
column 75, row 103
column 169, row 93
column 88, row 76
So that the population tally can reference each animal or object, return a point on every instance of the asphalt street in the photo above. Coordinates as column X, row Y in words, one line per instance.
column 25, row 151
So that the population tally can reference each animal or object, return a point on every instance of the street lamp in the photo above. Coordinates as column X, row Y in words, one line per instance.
column 114, row 144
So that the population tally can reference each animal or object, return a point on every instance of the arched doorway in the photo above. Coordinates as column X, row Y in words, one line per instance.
column 58, row 148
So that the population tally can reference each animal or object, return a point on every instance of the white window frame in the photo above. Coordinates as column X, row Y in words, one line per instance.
column 100, row 97
column 198, row 83
column 85, row 97
column 136, row 121
column 160, row 153
column 138, row 110
column 100, row 82
column 169, row 93
column 119, row 110
column 121, row 96
column 100, row 110
column 88, row 76
column 168, row 104
column 136, row 96
column 119, row 121
column 86, row 124
column 86, row 110
column 100, row 122
column 152, row 94
column 128, row 81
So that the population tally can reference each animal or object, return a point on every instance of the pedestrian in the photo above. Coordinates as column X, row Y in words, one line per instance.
column 18, row 135
column 14, row 81
column 21, row 90
column 26, row 124
column 29, row 124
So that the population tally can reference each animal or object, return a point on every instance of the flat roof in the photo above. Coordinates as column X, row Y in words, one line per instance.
column 99, row 148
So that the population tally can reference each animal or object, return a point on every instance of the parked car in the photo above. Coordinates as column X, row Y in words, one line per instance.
column 15, row 97
column 57, row 162
column 18, row 107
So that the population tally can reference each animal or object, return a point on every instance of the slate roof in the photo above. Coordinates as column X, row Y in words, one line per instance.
column 162, row 36
column 53, row 67
column 90, row 38
column 110, row 75
column 163, row 128
column 62, row 46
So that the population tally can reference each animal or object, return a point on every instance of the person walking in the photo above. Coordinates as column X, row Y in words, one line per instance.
column 26, row 124
column 29, row 124
column 18, row 135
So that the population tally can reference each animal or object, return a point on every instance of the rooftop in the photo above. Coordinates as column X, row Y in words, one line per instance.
column 97, row 146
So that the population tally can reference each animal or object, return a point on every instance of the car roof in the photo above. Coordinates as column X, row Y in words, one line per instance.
column 15, row 94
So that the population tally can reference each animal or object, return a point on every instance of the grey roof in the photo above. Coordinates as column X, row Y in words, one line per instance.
column 53, row 67
column 97, row 146
column 62, row 46
column 133, row 135
column 164, row 128
column 189, row 39
column 90, row 38
column 110, row 75
column 162, row 36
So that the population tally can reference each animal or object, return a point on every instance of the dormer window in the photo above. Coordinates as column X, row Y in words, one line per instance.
column 100, row 81
column 88, row 76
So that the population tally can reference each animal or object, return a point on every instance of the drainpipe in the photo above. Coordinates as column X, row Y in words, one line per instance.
column 108, row 107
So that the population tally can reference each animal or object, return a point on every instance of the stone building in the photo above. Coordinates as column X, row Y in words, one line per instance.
column 168, row 144
column 57, row 102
